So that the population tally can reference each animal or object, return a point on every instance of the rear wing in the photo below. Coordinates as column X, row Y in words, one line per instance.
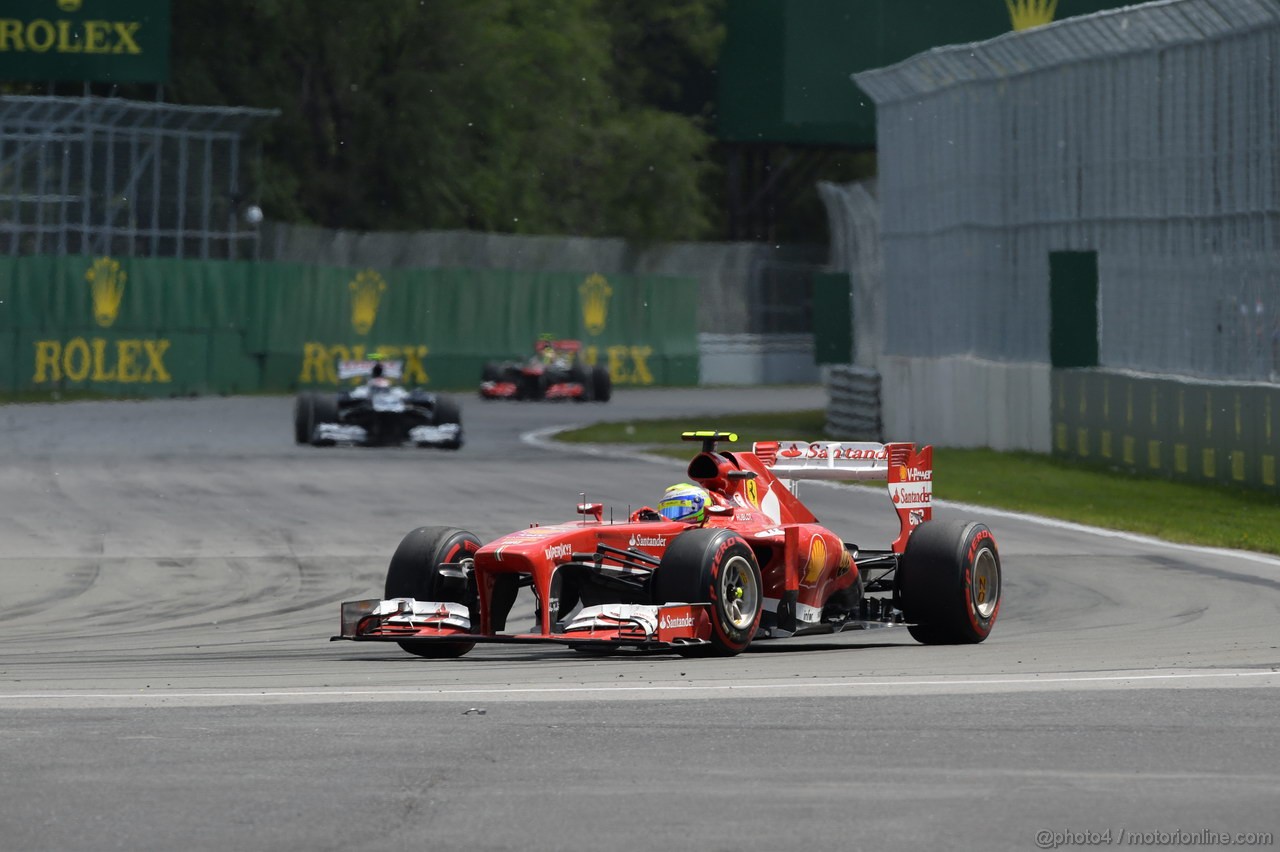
column 354, row 369
column 908, row 472
column 558, row 345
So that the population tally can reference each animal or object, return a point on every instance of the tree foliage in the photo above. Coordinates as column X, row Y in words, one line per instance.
column 584, row 117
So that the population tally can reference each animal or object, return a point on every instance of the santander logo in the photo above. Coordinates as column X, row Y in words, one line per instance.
column 829, row 450
column 647, row 541
column 911, row 495
column 672, row 622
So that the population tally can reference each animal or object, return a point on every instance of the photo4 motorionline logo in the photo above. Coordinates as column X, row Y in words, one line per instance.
column 1048, row 839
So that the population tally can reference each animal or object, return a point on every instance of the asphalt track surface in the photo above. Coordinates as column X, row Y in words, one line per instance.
column 170, row 573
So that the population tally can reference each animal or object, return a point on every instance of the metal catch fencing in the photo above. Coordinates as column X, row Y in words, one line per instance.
column 1147, row 134
column 745, row 288
column 132, row 178
column 854, row 213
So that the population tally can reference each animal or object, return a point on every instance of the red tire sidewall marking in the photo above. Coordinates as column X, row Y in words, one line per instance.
column 976, row 621
column 717, row 565
column 464, row 546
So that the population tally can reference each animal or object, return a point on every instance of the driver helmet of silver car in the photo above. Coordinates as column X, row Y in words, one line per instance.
column 376, row 377
column 684, row 502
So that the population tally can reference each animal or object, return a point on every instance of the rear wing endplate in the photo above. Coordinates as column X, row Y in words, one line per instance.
column 908, row 472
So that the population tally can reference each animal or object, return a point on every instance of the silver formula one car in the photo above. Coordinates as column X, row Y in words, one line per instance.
column 378, row 412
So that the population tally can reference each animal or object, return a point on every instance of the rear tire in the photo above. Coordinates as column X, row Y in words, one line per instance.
column 414, row 572
column 719, row 568
column 303, row 417
column 601, row 384
column 492, row 372
column 949, row 583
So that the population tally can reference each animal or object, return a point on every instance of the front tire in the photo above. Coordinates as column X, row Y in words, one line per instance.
column 303, row 417
column 415, row 572
column 949, row 583
column 719, row 568
column 324, row 409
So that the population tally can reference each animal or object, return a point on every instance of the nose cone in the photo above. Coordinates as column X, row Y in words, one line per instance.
column 524, row 549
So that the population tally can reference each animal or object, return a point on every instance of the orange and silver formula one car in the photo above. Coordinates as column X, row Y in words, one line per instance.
column 556, row 371
column 754, row 565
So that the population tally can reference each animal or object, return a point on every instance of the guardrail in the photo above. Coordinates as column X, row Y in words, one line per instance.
column 1180, row 428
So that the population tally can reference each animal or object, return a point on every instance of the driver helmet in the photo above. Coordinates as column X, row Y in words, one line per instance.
column 377, row 376
column 684, row 502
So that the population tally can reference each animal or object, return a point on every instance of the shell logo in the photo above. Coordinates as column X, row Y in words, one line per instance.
column 595, row 292
column 106, row 286
column 1026, row 14
column 366, row 293
column 817, row 560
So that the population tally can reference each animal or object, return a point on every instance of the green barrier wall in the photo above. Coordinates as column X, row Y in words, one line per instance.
column 1223, row 433
column 137, row 326
column 832, row 318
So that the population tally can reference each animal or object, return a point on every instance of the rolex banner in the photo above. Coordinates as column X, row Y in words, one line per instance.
column 112, row 41
column 135, row 326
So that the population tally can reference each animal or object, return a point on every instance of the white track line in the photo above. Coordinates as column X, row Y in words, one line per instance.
column 1034, row 681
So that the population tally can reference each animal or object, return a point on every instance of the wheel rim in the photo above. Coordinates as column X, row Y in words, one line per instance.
column 985, row 589
column 739, row 592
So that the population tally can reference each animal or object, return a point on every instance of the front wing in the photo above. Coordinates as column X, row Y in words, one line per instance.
column 566, row 390
column 510, row 390
column 608, row 625
column 499, row 390
column 349, row 433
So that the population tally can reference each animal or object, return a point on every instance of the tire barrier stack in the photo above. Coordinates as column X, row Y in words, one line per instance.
column 853, row 403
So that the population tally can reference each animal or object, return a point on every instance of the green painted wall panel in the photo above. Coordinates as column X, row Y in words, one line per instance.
column 785, row 69
column 237, row 326
column 232, row 369
column 8, row 355
column 1198, row 432
column 832, row 318
column 1073, row 308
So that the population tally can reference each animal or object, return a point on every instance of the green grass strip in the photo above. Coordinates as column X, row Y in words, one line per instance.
column 1211, row 515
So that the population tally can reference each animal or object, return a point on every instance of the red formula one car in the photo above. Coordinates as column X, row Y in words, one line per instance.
column 757, row 565
column 555, row 371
